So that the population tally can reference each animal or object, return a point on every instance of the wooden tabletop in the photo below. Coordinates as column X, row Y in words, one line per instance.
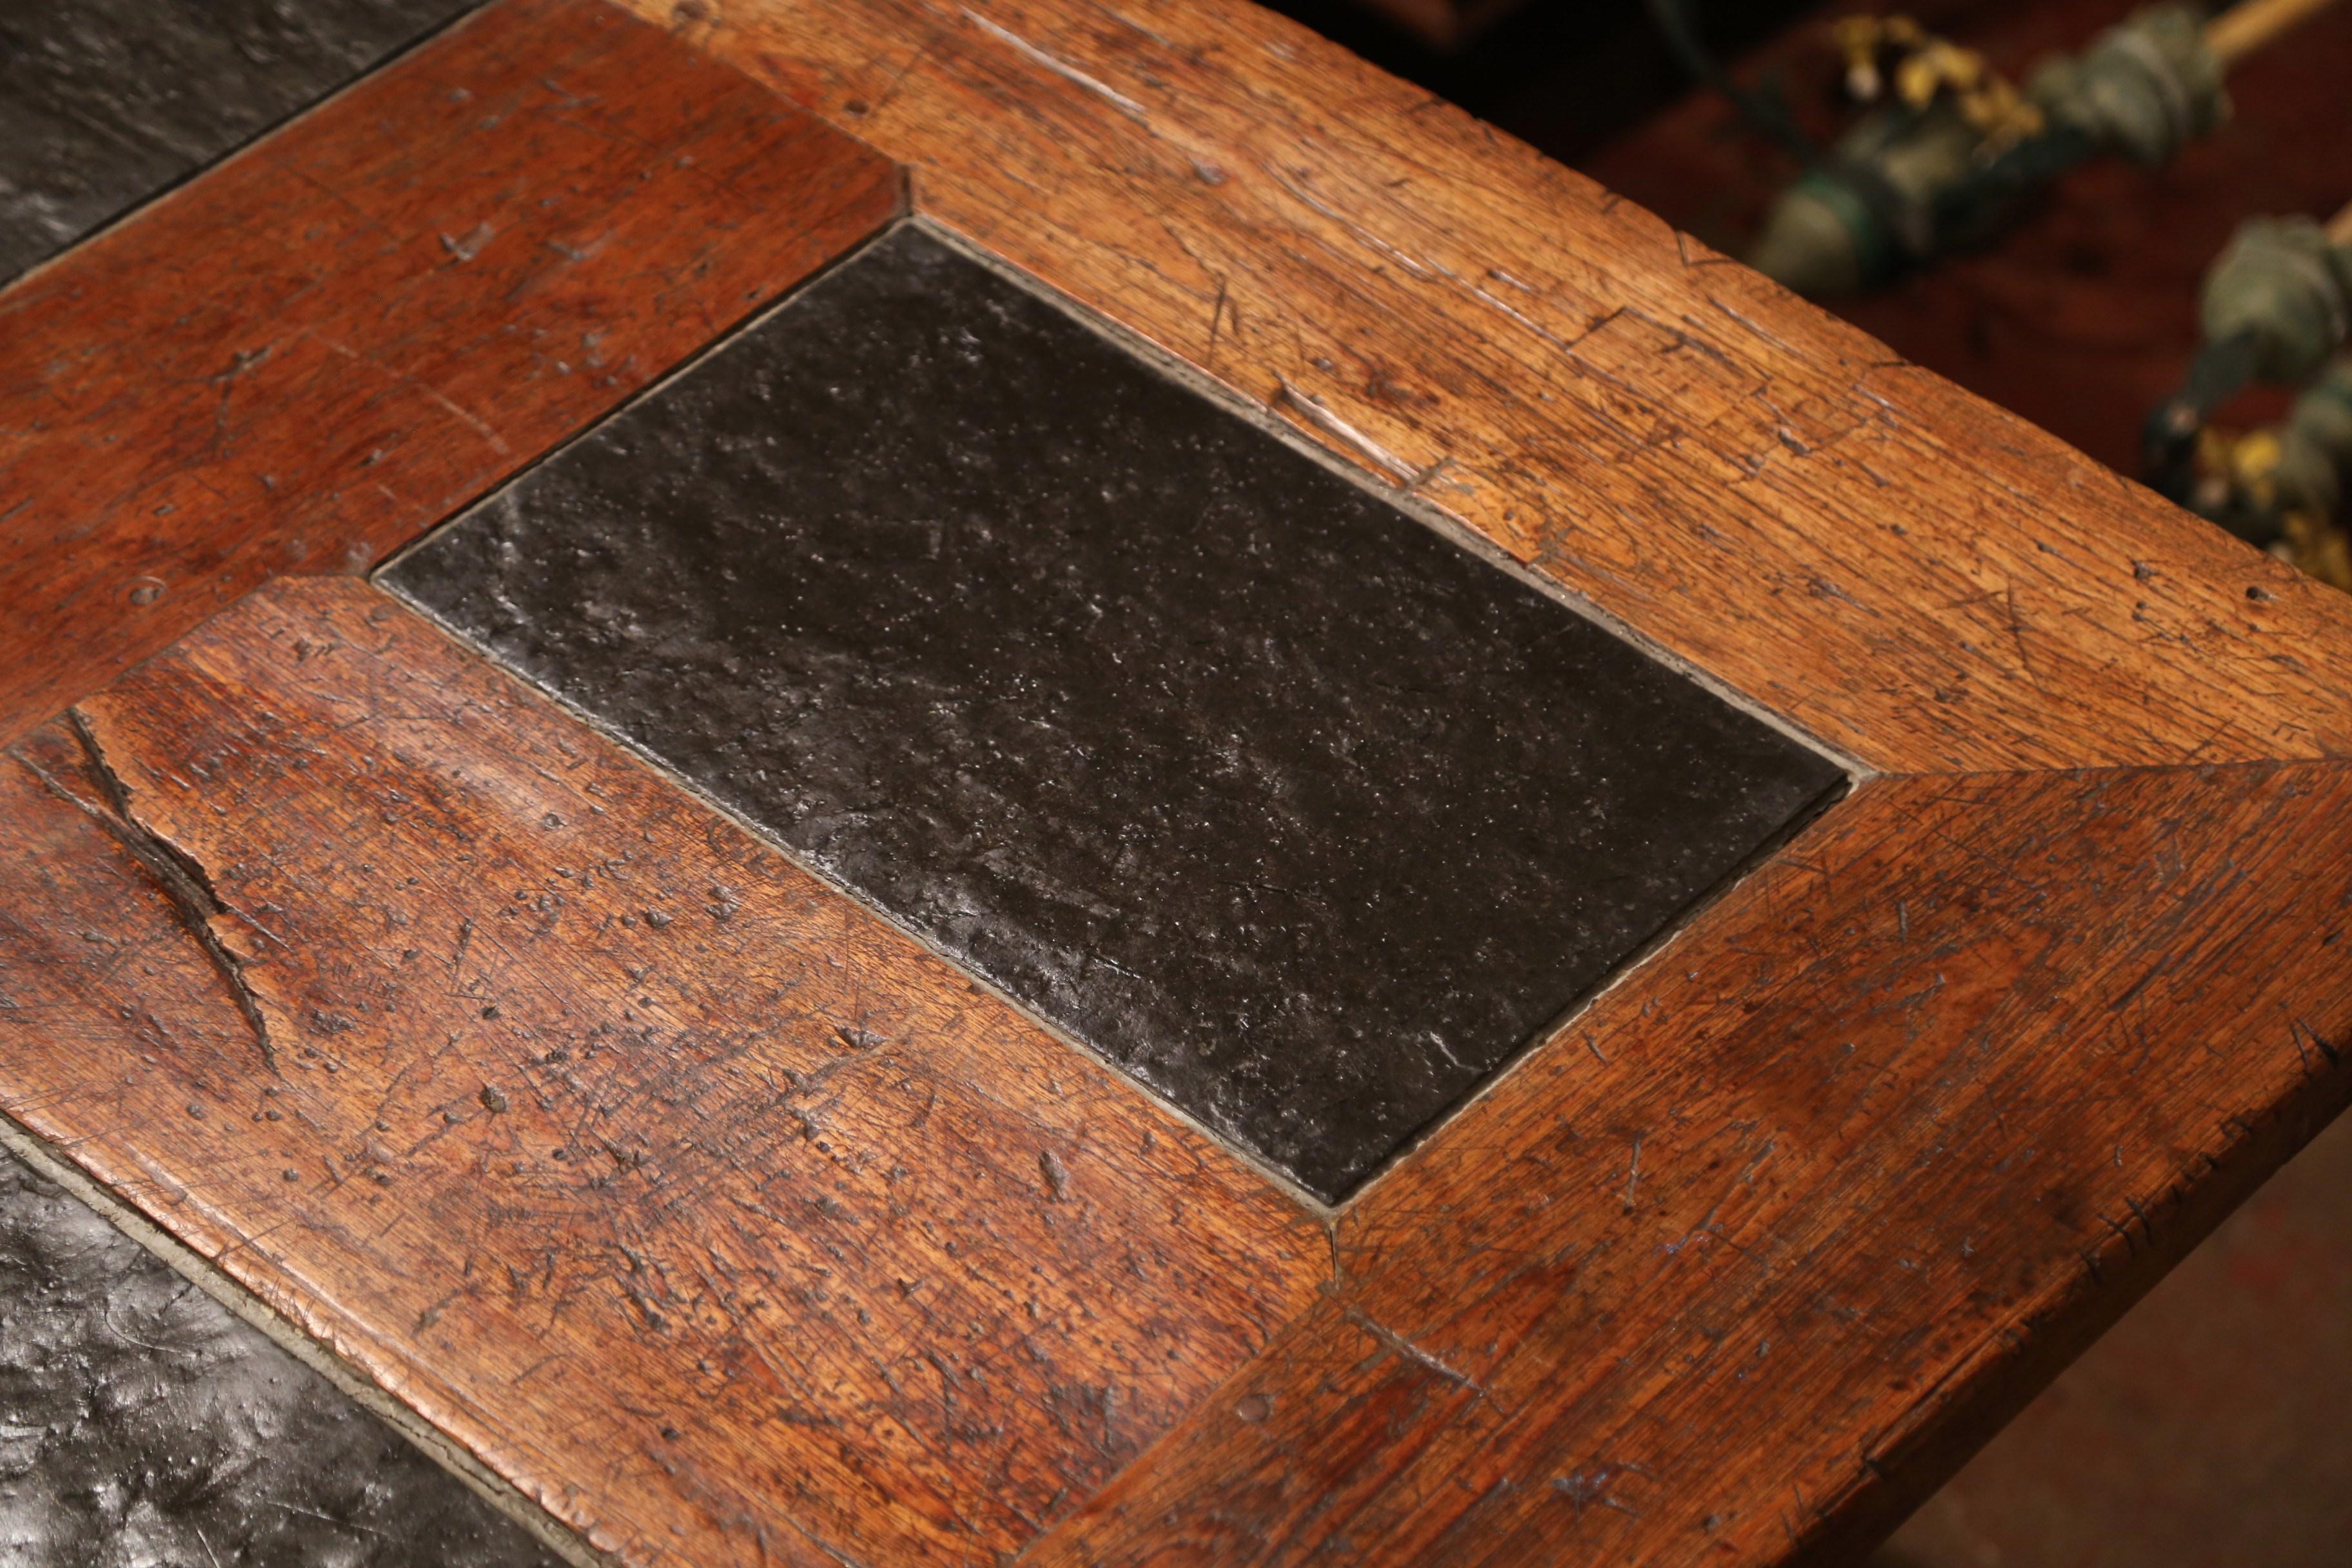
column 690, row 1182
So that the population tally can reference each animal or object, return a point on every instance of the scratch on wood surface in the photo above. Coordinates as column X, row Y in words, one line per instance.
column 1554, row 339
column 1595, row 1488
column 183, row 882
column 1116, row 98
column 1410, row 1351
column 1323, row 419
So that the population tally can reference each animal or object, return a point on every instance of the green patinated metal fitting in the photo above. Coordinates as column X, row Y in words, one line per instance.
column 2315, row 445
column 2143, row 90
column 1906, row 185
column 2283, row 284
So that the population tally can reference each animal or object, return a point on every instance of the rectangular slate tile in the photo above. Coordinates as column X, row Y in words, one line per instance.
column 104, row 103
column 1293, row 809
column 141, row 1422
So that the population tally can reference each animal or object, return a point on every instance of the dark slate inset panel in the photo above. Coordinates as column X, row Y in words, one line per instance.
column 140, row 1423
column 104, row 103
column 1298, row 812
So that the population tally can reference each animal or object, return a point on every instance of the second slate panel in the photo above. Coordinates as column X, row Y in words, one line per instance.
column 141, row 1424
column 1298, row 812
column 105, row 103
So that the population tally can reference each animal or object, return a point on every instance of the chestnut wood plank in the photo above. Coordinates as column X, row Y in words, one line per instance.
column 751, row 1231
column 1918, row 578
column 304, row 357
column 1806, row 1203
column 707, row 1208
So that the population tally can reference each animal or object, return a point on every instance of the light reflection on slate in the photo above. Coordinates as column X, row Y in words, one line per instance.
column 1292, row 809
column 142, row 1425
column 104, row 103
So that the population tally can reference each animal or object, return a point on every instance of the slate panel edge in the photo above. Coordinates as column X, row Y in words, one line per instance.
column 1405, row 498
column 767, row 839
column 1174, row 367
column 1258, row 416
column 54, row 1166
column 1836, row 793
column 141, row 206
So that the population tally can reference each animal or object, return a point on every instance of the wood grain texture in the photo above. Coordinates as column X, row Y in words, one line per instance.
column 750, row 1231
column 1841, row 1173
column 707, row 1208
column 1918, row 579
column 2207, row 1426
column 305, row 357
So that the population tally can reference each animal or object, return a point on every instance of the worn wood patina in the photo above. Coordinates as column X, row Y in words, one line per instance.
column 729, row 1222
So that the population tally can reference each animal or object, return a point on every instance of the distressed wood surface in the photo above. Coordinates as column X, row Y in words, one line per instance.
column 735, row 1226
column 708, row 1208
column 303, row 358
column 1803, row 1205
column 1916, row 577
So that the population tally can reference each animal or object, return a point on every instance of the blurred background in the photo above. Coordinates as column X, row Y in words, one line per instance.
column 2167, row 293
